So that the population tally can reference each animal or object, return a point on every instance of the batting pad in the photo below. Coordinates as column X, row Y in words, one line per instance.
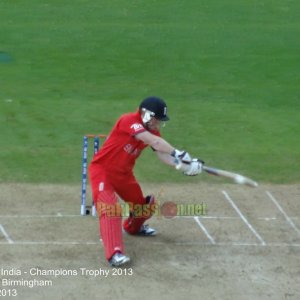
column 110, row 225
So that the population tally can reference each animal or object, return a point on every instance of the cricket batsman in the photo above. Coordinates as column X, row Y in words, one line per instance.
column 111, row 174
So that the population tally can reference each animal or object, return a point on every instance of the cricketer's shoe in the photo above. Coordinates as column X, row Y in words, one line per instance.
column 147, row 231
column 118, row 260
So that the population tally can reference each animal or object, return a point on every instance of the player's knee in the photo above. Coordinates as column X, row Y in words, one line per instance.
column 144, row 208
column 150, row 206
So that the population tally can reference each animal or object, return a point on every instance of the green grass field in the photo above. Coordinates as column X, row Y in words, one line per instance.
column 229, row 72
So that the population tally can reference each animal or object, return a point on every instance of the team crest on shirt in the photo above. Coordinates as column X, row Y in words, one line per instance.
column 136, row 126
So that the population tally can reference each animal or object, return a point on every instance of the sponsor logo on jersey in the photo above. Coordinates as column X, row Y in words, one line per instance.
column 137, row 126
column 131, row 150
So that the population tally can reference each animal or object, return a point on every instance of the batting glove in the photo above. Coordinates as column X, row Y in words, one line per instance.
column 192, row 169
column 181, row 156
column 195, row 167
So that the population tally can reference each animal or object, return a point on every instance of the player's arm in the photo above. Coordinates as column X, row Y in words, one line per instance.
column 170, row 155
column 156, row 142
column 166, row 158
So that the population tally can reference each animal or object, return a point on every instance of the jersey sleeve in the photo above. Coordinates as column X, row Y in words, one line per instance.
column 131, row 125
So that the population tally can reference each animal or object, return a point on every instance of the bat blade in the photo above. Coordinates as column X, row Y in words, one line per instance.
column 237, row 178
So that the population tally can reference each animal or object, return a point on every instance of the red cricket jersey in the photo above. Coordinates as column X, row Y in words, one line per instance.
column 121, row 148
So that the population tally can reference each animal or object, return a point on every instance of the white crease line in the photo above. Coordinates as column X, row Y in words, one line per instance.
column 60, row 215
column 6, row 235
column 204, row 230
column 57, row 243
column 207, row 217
column 267, row 219
column 288, row 219
column 53, row 243
column 230, row 244
column 217, row 217
column 260, row 245
column 263, row 243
